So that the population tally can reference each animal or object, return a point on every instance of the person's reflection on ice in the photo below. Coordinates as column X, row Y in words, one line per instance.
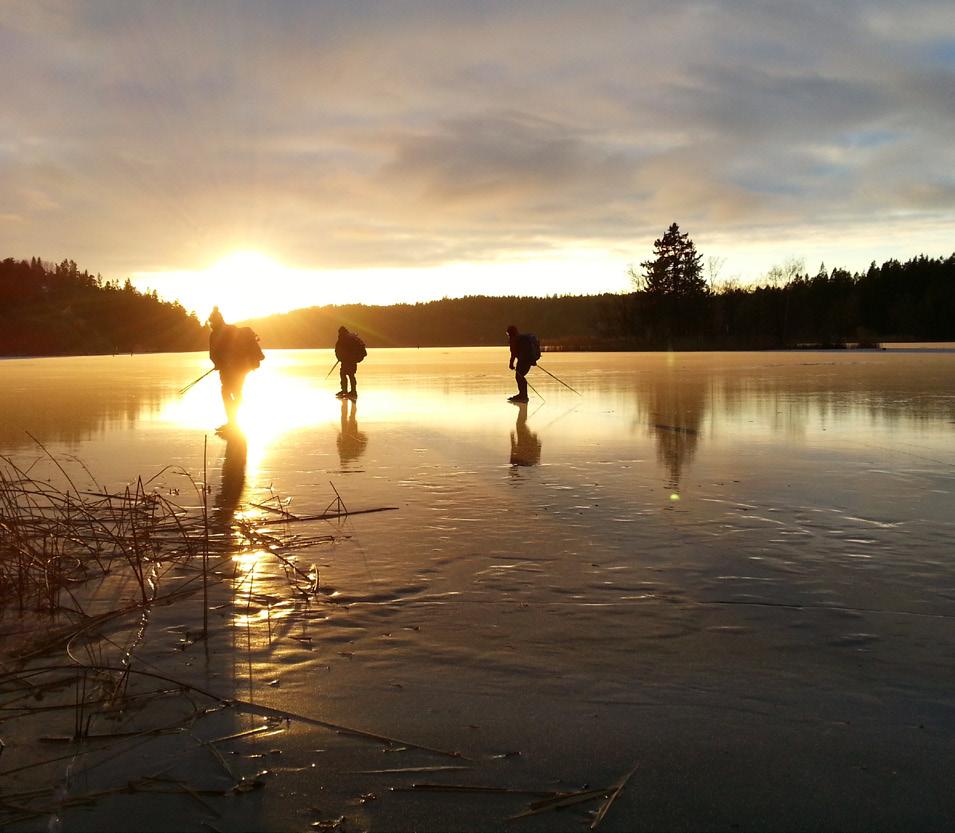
column 351, row 441
column 233, row 474
column 525, row 444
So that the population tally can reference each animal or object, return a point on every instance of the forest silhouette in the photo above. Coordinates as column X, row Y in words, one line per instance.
column 911, row 301
column 50, row 309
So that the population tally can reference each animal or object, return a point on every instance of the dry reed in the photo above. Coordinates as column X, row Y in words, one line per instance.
column 60, row 545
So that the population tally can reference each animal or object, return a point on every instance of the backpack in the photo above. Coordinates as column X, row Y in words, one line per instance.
column 248, row 352
column 533, row 348
column 360, row 350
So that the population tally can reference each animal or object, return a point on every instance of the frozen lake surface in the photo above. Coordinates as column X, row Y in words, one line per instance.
column 733, row 570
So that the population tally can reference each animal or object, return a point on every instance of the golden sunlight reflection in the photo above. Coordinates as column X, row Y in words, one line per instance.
column 274, row 402
column 278, row 399
column 253, row 606
column 254, row 615
column 249, row 515
column 246, row 562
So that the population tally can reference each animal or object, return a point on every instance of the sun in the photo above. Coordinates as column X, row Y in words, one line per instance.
column 246, row 284
column 245, row 264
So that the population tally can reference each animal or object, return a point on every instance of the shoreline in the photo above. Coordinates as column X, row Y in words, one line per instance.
column 888, row 346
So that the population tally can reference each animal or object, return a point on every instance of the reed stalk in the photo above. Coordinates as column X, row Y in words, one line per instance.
column 61, row 544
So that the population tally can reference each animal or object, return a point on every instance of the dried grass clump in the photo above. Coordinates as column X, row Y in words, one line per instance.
column 74, row 661
column 54, row 538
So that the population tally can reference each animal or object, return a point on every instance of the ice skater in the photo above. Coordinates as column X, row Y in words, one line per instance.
column 234, row 352
column 525, row 350
column 349, row 350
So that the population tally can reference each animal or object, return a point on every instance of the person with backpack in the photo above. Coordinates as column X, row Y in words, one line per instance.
column 234, row 352
column 349, row 350
column 525, row 350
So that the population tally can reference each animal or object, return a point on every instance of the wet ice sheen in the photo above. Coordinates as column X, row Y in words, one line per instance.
column 541, row 581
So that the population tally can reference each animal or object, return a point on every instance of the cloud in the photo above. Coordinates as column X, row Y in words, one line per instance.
column 142, row 136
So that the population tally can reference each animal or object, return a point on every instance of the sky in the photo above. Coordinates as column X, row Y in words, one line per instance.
column 273, row 155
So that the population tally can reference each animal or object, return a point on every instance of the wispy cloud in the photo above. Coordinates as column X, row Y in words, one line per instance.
column 137, row 136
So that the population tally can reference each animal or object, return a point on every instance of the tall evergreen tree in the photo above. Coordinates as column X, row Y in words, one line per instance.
column 674, row 312
column 676, row 270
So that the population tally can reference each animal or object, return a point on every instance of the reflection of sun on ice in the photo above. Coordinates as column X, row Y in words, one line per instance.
column 273, row 404
column 246, row 562
column 254, row 607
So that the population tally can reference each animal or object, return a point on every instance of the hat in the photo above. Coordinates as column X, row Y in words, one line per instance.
column 511, row 330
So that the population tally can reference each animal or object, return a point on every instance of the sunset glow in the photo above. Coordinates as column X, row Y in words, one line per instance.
column 243, row 284
column 412, row 155
column 249, row 284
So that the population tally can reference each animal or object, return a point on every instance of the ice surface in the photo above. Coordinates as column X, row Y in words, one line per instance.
column 734, row 568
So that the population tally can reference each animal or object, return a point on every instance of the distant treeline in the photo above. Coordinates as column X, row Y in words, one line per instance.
column 472, row 321
column 911, row 301
column 48, row 309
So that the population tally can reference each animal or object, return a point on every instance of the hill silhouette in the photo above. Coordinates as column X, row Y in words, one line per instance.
column 48, row 310
column 451, row 322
